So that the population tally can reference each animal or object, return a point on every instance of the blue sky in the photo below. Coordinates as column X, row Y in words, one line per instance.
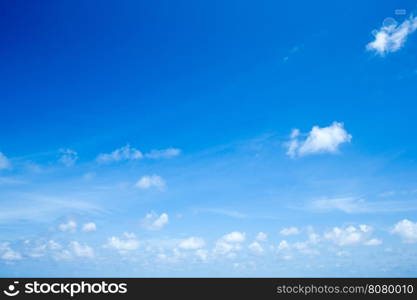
column 208, row 138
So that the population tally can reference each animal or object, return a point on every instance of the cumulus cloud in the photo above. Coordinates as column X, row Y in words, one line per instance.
column 87, row 227
column 154, row 222
column 148, row 181
column 234, row 237
column 283, row 245
column 80, row 250
column 127, row 242
column 256, row 248
column 68, row 157
column 4, row 161
column 319, row 140
column 407, row 230
column 70, row 226
column 192, row 243
column 290, row 231
column 121, row 154
column 392, row 36
column 261, row 237
column 8, row 254
column 229, row 243
column 348, row 236
column 164, row 153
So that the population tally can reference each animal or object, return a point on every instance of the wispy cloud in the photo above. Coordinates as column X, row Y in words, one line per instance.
column 218, row 211
column 120, row 154
column 355, row 205
column 149, row 181
column 4, row 162
column 392, row 36
column 68, row 157
column 164, row 153
column 319, row 140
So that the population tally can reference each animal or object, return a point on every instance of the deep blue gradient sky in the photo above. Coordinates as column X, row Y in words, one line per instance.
column 220, row 84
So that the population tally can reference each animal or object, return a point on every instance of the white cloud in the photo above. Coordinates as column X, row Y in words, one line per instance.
column 348, row 236
column 256, row 248
column 87, row 227
column 165, row 153
column 192, row 243
column 149, row 181
column 373, row 242
column 407, row 230
column 70, row 226
column 290, row 231
column 121, row 154
column 230, row 242
column 81, row 250
column 202, row 254
column 154, row 222
column 7, row 253
column 4, row 161
column 68, row 157
column 319, row 140
column 392, row 36
column 127, row 242
column 234, row 237
column 261, row 237
column 283, row 245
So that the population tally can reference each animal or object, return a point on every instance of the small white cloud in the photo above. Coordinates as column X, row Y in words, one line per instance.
column 154, row 222
column 290, row 231
column 391, row 37
column 68, row 157
column 192, row 243
column 4, row 162
column 127, row 242
column 373, row 242
column 8, row 254
column 261, row 237
column 81, row 250
column 319, row 140
column 283, row 245
column 229, row 243
column 70, row 226
column 234, row 237
column 121, row 154
column 407, row 230
column 87, row 227
column 165, row 153
column 348, row 236
column 148, row 181
column 256, row 248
